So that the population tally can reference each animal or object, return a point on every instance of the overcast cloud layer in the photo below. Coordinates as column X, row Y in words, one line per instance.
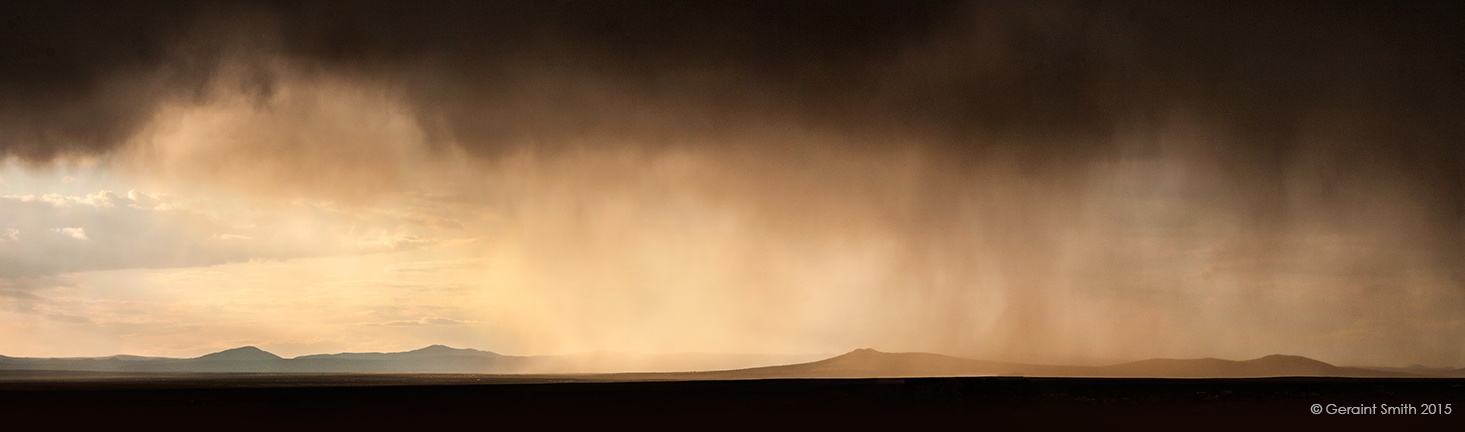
column 1108, row 180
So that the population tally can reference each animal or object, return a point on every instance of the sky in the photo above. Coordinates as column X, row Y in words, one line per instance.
column 1068, row 182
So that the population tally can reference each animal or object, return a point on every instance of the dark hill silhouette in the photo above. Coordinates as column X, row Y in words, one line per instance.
column 244, row 353
column 242, row 359
column 435, row 358
column 1272, row 365
column 429, row 351
column 868, row 363
column 440, row 350
column 861, row 363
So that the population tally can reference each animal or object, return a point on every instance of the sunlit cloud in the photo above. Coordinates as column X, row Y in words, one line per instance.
column 424, row 321
column 191, row 275
column 76, row 233
column 385, row 241
column 433, row 266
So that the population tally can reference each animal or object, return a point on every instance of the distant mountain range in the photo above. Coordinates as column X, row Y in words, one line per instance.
column 870, row 363
column 863, row 363
column 435, row 358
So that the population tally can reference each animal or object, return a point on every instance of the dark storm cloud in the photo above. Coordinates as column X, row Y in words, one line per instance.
column 1342, row 92
column 1337, row 93
column 81, row 77
column 70, row 81
column 1071, row 70
column 495, row 76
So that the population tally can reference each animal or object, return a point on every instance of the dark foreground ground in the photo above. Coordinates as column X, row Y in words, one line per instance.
column 416, row 401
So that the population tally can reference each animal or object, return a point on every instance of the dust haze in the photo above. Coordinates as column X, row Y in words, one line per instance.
column 1077, row 182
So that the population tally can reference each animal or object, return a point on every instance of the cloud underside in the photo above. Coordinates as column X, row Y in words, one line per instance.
column 494, row 78
column 273, row 100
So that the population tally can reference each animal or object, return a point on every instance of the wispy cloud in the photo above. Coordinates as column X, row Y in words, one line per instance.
column 424, row 321
column 68, row 318
column 191, row 275
column 382, row 241
column 76, row 233
column 433, row 266
column 149, row 230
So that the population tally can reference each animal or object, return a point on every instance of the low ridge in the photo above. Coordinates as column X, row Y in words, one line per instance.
column 864, row 362
column 447, row 350
column 244, row 353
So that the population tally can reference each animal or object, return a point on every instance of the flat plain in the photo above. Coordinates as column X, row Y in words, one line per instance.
column 234, row 401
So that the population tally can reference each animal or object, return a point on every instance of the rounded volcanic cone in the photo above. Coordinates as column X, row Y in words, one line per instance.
column 444, row 350
column 1293, row 365
column 241, row 353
